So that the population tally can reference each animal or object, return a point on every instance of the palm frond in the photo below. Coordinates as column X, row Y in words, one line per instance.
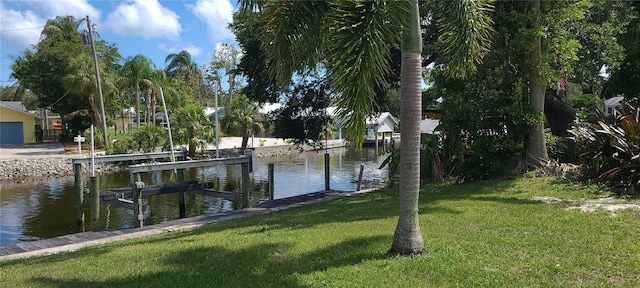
column 292, row 36
column 357, row 50
column 466, row 33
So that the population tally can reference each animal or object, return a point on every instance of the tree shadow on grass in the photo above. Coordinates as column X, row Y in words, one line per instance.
column 263, row 265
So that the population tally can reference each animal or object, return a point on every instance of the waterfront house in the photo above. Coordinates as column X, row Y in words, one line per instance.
column 17, row 124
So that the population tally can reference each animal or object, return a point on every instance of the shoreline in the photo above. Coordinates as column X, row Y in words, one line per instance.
column 51, row 161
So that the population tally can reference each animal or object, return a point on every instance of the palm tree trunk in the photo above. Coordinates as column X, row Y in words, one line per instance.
column 138, row 102
column 192, row 149
column 536, row 143
column 245, row 141
column 96, row 112
column 408, row 238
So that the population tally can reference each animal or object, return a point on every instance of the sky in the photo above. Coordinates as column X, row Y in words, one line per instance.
column 149, row 27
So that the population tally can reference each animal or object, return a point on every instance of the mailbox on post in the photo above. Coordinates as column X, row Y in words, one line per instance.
column 79, row 139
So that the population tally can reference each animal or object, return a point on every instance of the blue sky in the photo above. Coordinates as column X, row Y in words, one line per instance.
column 149, row 27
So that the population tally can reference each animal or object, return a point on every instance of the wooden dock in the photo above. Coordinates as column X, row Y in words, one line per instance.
column 76, row 241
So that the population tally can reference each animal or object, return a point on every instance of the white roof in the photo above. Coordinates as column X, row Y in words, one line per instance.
column 613, row 101
column 210, row 110
column 380, row 118
column 428, row 126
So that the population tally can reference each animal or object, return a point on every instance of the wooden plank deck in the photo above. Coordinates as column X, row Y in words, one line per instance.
column 72, row 242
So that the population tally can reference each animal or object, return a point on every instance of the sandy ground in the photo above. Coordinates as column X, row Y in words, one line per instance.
column 58, row 150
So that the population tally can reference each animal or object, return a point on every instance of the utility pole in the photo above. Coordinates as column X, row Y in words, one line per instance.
column 95, row 62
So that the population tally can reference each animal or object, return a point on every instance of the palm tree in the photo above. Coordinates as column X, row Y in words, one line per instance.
column 159, row 78
column 181, row 64
column 64, row 29
column 136, row 70
column 242, row 117
column 190, row 126
column 353, row 37
column 83, row 81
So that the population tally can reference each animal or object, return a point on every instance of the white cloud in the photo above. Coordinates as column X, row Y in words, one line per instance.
column 217, row 14
column 192, row 49
column 76, row 8
column 19, row 28
column 145, row 18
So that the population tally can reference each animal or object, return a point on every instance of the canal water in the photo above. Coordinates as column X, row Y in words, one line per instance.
column 35, row 211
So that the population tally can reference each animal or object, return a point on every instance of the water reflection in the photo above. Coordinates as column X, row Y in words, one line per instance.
column 35, row 211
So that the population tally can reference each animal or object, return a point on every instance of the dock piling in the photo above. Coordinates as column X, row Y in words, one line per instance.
column 245, row 183
column 136, row 195
column 77, row 173
column 182, row 197
column 360, row 177
column 271, row 183
column 94, row 191
column 327, row 177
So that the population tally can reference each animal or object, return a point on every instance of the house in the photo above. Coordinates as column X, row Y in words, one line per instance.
column 126, row 119
column 210, row 112
column 50, row 120
column 17, row 124
column 611, row 104
column 428, row 126
column 380, row 124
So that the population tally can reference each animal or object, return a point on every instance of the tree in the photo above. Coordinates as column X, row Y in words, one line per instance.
column 304, row 114
column 243, row 118
column 82, row 80
column 599, row 32
column 19, row 94
column 50, row 67
column 352, row 37
column 190, row 126
column 625, row 79
column 225, row 58
column 136, row 70
column 181, row 65
column 261, row 85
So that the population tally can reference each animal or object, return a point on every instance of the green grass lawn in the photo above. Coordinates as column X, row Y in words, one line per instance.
column 486, row 234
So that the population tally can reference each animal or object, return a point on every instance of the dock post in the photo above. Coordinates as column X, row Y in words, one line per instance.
column 245, row 183
column 360, row 177
column 376, row 144
column 327, row 177
column 182, row 197
column 136, row 195
column 94, row 189
column 271, row 183
column 77, row 173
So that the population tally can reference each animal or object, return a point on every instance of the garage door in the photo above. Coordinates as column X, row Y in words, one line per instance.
column 11, row 133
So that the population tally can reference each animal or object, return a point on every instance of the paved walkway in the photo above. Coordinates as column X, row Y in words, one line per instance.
column 76, row 241
column 40, row 150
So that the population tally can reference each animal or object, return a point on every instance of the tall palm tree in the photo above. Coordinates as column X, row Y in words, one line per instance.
column 242, row 117
column 136, row 70
column 159, row 78
column 181, row 65
column 353, row 37
column 61, row 28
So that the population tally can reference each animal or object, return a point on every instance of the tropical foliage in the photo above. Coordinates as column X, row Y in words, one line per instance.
column 304, row 115
column 190, row 126
column 611, row 148
column 148, row 138
column 243, row 118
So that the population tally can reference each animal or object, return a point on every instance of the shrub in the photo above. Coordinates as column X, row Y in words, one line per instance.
column 148, row 138
column 556, row 147
column 611, row 149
